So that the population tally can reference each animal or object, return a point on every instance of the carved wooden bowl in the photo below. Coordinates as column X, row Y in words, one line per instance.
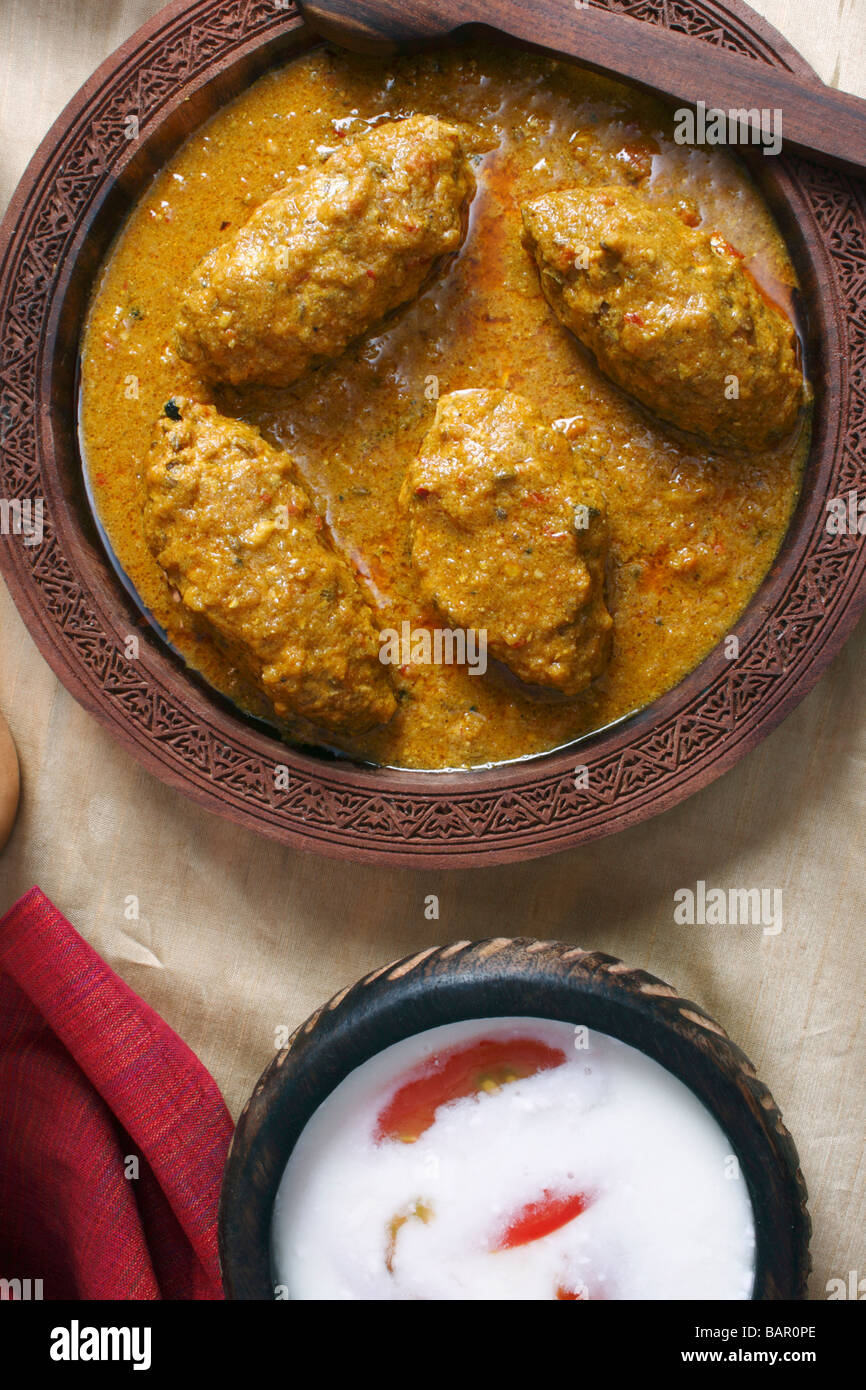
column 176, row 71
column 488, row 979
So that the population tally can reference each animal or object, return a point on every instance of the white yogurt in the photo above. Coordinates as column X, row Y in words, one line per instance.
column 666, row 1214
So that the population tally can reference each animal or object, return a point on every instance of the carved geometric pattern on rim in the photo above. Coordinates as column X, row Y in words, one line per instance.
column 317, row 801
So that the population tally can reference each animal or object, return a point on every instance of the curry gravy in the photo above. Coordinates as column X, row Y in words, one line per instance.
column 692, row 532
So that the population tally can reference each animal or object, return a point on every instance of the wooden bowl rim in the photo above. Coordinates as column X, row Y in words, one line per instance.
column 78, row 616
column 517, row 976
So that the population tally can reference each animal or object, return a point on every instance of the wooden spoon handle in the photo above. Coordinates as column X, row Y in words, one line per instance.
column 815, row 120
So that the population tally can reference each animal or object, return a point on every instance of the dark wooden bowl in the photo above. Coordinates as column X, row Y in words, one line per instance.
column 177, row 70
column 499, row 977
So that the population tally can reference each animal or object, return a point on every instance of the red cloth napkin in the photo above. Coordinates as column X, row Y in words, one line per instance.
column 91, row 1078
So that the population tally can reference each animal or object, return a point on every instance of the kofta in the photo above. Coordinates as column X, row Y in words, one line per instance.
column 670, row 312
column 508, row 536
column 240, row 542
column 329, row 255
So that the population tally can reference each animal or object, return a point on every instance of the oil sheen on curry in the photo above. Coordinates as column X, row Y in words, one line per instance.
column 446, row 410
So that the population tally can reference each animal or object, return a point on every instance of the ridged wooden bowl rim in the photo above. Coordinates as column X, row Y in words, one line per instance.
column 172, row 74
column 511, row 976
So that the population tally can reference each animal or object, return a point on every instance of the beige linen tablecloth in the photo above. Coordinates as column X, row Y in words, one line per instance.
column 236, row 936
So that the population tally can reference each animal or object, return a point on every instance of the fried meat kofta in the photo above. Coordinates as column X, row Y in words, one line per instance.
column 670, row 312
column 329, row 255
column 243, row 546
column 508, row 536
